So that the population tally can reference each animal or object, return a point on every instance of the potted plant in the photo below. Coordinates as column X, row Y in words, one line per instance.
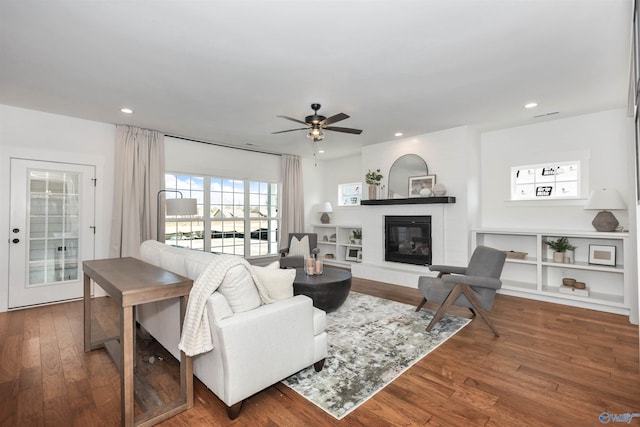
column 373, row 178
column 357, row 236
column 559, row 247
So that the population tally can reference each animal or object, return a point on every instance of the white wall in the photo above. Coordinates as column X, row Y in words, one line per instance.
column 451, row 156
column 601, row 140
column 313, row 176
column 43, row 136
column 605, row 143
column 334, row 172
column 214, row 160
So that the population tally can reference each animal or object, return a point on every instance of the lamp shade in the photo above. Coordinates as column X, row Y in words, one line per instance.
column 326, row 207
column 603, row 199
column 182, row 207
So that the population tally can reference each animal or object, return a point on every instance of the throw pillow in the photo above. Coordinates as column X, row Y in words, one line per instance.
column 278, row 283
column 299, row 247
column 239, row 290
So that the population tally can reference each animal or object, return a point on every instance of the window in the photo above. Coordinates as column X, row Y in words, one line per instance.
column 242, row 215
column 546, row 181
column 349, row 194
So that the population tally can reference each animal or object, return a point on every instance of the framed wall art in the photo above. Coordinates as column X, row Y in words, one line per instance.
column 352, row 253
column 421, row 186
column 602, row 255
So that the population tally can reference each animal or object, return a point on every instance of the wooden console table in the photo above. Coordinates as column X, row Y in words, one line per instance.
column 130, row 282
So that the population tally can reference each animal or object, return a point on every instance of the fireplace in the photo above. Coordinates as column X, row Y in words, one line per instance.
column 408, row 239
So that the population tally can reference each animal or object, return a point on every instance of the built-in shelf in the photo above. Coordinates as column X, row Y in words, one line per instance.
column 334, row 243
column 410, row 201
column 537, row 276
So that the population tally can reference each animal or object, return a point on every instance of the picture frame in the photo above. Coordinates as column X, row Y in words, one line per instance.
column 352, row 253
column 602, row 255
column 421, row 186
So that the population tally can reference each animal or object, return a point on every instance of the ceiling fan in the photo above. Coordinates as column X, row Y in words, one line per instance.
column 317, row 123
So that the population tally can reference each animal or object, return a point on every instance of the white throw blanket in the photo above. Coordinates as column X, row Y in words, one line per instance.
column 196, row 333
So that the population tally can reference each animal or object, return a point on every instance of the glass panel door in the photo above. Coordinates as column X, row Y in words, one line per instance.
column 52, row 219
column 53, row 227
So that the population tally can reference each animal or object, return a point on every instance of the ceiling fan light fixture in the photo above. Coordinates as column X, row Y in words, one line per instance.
column 316, row 134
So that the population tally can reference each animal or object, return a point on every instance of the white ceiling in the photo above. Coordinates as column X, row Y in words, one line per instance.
column 221, row 71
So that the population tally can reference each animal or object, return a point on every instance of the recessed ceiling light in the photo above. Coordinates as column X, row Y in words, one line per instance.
column 531, row 105
column 126, row 110
column 320, row 151
column 398, row 134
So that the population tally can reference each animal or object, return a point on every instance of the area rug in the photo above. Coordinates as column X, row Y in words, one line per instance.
column 372, row 341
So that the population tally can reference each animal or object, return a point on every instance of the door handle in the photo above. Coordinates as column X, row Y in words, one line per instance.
column 16, row 240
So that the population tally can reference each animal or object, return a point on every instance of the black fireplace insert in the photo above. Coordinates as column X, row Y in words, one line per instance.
column 408, row 239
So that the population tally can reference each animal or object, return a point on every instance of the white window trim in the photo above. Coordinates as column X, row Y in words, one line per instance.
column 206, row 218
column 340, row 193
column 582, row 180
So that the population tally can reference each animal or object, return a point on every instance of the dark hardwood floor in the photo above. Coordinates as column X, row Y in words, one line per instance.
column 553, row 365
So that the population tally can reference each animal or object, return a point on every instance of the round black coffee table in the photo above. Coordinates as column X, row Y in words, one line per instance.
column 327, row 290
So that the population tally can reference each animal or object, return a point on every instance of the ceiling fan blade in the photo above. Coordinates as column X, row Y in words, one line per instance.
column 290, row 130
column 333, row 119
column 345, row 130
column 293, row 120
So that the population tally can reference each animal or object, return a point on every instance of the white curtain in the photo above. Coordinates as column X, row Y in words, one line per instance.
column 139, row 175
column 292, row 209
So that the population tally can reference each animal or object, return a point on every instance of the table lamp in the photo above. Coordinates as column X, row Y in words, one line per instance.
column 325, row 208
column 605, row 200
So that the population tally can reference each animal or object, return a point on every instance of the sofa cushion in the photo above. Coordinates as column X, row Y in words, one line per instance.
column 197, row 262
column 299, row 247
column 276, row 282
column 239, row 290
column 172, row 259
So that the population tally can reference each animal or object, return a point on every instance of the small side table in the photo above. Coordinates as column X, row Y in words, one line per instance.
column 130, row 282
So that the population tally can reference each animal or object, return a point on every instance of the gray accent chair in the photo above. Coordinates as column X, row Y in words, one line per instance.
column 473, row 286
column 287, row 261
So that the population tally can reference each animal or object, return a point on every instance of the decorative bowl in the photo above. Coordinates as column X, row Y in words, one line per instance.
column 516, row 255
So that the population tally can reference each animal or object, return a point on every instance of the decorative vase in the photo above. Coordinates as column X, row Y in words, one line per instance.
column 439, row 190
column 558, row 257
column 373, row 191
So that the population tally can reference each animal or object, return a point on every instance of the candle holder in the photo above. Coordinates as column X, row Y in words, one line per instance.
column 309, row 266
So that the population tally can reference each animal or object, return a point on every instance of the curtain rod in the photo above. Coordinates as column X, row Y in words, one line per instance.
column 218, row 144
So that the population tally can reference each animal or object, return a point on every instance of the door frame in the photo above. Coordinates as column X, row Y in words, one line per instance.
column 103, row 199
column 21, row 294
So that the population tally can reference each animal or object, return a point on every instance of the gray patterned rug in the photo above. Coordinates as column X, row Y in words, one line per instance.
column 372, row 341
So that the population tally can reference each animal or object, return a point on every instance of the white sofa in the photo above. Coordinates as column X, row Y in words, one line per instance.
column 253, row 348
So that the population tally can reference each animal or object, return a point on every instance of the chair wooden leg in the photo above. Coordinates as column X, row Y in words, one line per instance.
column 468, row 292
column 451, row 298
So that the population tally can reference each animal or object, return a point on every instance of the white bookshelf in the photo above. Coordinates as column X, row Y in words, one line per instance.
column 537, row 276
column 337, row 246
